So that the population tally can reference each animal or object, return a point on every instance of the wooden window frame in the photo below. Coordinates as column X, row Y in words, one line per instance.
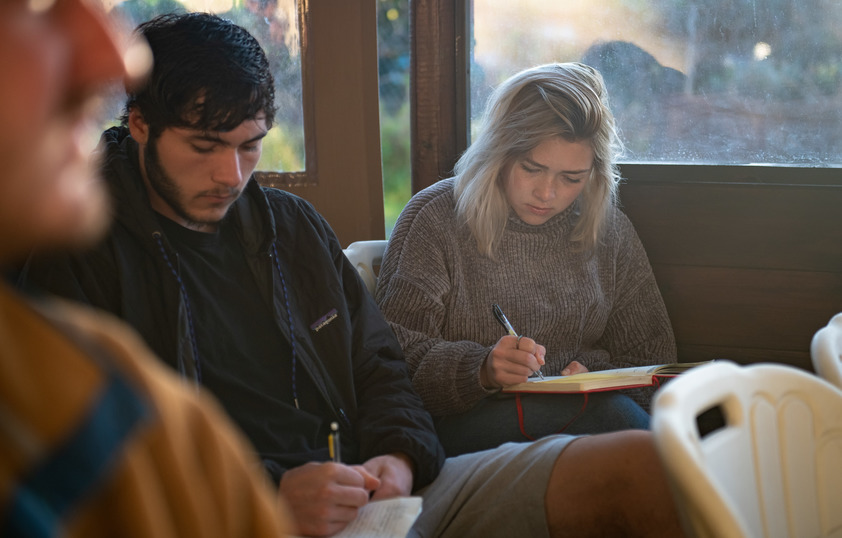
column 343, row 176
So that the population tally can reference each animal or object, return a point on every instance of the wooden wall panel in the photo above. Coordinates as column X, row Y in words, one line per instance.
column 751, row 226
column 748, row 272
column 748, row 314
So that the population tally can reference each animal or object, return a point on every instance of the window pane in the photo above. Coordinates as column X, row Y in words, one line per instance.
column 702, row 81
column 393, row 62
column 275, row 25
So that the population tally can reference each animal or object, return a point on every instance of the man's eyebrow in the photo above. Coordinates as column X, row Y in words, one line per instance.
column 569, row 172
column 209, row 137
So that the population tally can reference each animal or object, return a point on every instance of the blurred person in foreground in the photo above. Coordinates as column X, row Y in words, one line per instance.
column 245, row 290
column 97, row 438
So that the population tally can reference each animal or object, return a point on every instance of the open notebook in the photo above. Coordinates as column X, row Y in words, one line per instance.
column 621, row 378
column 389, row 518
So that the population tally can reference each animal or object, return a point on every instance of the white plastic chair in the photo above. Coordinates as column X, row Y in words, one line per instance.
column 826, row 351
column 367, row 256
column 774, row 469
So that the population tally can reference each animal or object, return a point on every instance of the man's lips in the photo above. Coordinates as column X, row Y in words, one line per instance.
column 218, row 198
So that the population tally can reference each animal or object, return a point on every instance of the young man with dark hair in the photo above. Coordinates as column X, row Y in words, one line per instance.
column 245, row 290
column 97, row 438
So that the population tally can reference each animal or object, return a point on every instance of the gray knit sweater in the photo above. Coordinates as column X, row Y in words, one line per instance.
column 436, row 290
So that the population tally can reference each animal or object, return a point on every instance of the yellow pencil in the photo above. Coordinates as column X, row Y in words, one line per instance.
column 333, row 442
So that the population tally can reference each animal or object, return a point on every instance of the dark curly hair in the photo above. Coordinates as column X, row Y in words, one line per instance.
column 209, row 74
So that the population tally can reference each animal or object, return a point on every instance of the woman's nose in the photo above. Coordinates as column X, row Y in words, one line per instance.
column 545, row 189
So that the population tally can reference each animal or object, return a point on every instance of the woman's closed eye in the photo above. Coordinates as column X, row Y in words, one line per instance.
column 529, row 169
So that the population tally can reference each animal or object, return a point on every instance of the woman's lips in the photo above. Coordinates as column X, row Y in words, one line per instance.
column 538, row 210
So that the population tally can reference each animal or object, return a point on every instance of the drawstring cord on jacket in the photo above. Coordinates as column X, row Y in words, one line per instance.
column 193, row 344
column 289, row 317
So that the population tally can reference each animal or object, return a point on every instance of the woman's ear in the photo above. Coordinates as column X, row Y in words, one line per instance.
column 138, row 127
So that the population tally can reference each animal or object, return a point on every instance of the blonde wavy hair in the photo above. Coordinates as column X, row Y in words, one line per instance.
column 566, row 100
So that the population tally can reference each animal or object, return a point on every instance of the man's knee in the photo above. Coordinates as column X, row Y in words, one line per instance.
column 609, row 481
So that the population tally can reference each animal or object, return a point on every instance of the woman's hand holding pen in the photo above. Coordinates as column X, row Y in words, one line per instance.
column 512, row 360
column 325, row 497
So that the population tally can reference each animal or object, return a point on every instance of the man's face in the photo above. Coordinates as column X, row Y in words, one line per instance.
column 53, row 57
column 193, row 177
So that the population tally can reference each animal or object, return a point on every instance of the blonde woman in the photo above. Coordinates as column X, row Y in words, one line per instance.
column 530, row 222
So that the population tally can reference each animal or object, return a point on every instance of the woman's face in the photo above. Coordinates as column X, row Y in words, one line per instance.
column 544, row 182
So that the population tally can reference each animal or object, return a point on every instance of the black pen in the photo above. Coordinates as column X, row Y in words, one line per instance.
column 504, row 321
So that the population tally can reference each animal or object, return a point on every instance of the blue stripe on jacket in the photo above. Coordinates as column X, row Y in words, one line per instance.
column 71, row 472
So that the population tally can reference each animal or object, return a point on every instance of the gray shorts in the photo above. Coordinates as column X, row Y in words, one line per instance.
column 497, row 492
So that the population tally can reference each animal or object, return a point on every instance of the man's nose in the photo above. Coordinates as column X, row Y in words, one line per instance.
column 229, row 170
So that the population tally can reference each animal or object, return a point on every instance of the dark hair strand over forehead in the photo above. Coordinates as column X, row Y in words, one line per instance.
column 209, row 74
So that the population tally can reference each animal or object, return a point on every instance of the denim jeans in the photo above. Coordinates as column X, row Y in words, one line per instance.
column 494, row 420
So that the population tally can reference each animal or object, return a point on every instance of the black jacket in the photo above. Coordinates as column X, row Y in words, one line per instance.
column 355, row 362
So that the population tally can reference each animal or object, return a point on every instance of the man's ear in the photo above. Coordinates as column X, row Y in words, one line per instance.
column 138, row 127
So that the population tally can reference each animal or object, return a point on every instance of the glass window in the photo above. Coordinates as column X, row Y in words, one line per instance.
column 701, row 81
column 393, row 53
